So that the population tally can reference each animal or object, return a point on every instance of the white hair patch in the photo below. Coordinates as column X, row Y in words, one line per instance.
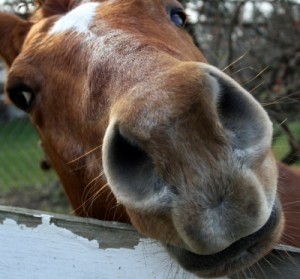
column 78, row 19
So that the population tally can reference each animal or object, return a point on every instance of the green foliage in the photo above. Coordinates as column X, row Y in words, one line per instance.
column 20, row 156
column 281, row 146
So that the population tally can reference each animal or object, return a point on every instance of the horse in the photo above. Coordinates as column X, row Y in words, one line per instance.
column 141, row 129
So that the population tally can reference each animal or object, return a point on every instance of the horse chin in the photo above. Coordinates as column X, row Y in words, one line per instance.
column 239, row 255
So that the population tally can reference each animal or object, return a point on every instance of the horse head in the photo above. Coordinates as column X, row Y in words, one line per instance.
column 136, row 123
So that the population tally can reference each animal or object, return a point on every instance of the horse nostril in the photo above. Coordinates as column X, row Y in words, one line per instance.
column 236, row 112
column 125, row 155
column 247, row 125
column 128, row 168
column 131, row 173
column 126, row 158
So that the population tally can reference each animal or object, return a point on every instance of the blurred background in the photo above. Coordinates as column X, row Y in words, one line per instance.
column 256, row 42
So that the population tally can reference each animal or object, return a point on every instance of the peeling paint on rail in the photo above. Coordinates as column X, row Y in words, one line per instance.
column 36, row 245
column 49, row 251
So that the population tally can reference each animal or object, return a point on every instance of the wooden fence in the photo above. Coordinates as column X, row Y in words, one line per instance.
column 36, row 244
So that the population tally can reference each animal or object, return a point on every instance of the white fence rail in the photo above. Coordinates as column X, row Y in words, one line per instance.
column 36, row 244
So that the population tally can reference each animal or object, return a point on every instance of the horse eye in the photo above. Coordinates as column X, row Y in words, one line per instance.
column 22, row 97
column 178, row 17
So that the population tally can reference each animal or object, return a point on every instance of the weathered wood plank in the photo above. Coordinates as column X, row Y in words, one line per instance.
column 106, row 232
column 36, row 244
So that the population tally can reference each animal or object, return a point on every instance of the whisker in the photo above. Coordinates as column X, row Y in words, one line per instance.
column 283, row 122
column 89, row 188
column 282, row 99
column 115, row 208
column 251, row 270
column 287, row 237
column 287, row 255
column 279, row 257
column 91, row 200
column 85, row 199
column 261, row 269
column 86, row 154
column 256, row 76
column 257, row 86
column 110, row 198
column 96, row 178
column 240, row 58
column 85, row 193
column 85, row 165
column 290, row 239
column 271, row 265
column 242, row 69
column 291, row 212
column 291, row 203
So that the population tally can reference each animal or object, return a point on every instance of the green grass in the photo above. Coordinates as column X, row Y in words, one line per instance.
column 280, row 144
column 20, row 156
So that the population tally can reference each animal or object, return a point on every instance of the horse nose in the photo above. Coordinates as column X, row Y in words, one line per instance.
column 190, row 145
column 169, row 117
column 213, row 104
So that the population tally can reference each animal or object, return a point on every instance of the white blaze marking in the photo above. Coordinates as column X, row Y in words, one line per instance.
column 77, row 20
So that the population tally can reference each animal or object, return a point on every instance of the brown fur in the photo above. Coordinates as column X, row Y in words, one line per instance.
column 57, row 7
column 289, row 190
column 15, row 30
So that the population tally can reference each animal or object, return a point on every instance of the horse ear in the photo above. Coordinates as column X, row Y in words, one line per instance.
column 13, row 32
column 56, row 7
